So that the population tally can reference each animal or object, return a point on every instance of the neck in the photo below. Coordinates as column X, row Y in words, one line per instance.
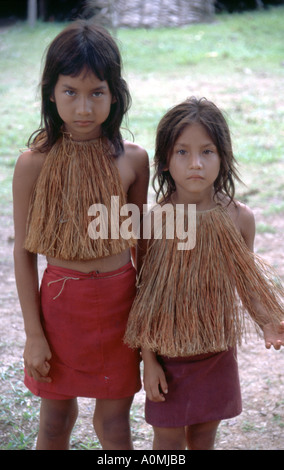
column 202, row 202
column 81, row 137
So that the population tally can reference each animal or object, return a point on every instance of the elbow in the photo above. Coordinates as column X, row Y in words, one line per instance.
column 22, row 256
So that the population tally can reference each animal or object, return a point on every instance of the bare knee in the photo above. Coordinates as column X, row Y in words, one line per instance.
column 112, row 423
column 57, row 418
column 202, row 436
column 169, row 439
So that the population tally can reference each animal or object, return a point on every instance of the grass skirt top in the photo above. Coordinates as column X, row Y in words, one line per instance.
column 195, row 301
column 74, row 177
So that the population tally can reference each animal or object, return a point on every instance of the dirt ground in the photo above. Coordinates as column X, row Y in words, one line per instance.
column 261, row 424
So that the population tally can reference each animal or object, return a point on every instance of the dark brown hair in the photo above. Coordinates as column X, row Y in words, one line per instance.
column 173, row 123
column 82, row 45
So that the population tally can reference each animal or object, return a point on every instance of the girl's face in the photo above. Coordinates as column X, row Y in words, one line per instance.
column 194, row 166
column 83, row 103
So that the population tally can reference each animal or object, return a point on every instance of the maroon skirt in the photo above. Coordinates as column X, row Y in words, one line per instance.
column 84, row 318
column 201, row 389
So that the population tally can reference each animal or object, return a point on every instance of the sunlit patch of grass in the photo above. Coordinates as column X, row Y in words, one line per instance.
column 19, row 411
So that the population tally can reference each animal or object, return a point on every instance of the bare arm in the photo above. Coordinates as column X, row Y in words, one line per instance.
column 273, row 334
column 37, row 352
column 246, row 224
column 155, row 383
column 154, row 378
column 137, row 192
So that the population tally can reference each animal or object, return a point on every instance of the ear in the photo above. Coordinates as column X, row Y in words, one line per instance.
column 52, row 99
column 114, row 100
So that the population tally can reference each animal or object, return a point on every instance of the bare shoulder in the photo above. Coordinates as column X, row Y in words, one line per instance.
column 244, row 219
column 134, row 170
column 246, row 215
column 30, row 162
column 136, row 155
column 27, row 168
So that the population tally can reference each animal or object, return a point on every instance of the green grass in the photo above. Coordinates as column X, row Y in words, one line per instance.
column 237, row 61
column 232, row 40
column 19, row 411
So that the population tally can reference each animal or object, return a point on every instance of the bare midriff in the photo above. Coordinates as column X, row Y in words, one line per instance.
column 109, row 263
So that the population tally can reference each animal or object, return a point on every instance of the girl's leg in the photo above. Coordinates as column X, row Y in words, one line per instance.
column 169, row 438
column 57, row 418
column 112, row 423
column 202, row 436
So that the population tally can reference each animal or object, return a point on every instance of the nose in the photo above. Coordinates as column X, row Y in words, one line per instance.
column 84, row 106
column 195, row 161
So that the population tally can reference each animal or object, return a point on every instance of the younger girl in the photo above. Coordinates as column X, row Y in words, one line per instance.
column 188, row 315
column 75, row 324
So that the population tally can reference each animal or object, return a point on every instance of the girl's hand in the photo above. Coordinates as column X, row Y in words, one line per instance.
column 155, row 383
column 274, row 335
column 36, row 356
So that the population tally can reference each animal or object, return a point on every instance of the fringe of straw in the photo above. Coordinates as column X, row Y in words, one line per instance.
column 195, row 301
column 74, row 176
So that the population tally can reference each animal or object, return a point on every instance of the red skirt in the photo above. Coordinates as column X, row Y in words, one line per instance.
column 201, row 389
column 84, row 317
